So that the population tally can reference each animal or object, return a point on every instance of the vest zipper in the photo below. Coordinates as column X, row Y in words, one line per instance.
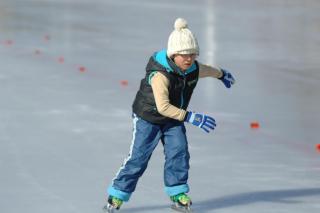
column 182, row 91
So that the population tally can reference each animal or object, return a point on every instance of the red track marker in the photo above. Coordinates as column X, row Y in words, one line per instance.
column 37, row 52
column 124, row 83
column 61, row 60
column 255, row 125
column 82, row 69
column 47, row 37
column 8, row 42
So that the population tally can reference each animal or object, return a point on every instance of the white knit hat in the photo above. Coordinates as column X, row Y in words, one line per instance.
column 182, row 40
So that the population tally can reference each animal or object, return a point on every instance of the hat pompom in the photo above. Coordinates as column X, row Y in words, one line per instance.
column 180, row 23
column 182, row 40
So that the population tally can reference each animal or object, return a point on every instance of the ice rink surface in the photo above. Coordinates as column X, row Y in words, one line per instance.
column 69, row 71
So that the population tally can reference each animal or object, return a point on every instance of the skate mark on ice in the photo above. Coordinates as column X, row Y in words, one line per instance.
column 146, row 208
column 285, row 196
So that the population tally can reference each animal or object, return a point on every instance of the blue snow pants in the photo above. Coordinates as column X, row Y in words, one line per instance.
column 146, row 137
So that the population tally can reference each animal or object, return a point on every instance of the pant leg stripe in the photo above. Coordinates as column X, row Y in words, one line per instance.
column 135, row 120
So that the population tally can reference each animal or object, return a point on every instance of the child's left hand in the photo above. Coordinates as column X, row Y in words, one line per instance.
column 227, row 79
column 200, row 120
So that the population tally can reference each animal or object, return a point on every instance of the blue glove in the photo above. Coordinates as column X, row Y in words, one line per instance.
column 226, row 78
column 202, row 121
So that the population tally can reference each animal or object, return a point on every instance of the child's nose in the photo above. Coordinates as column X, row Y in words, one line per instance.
column 189, row 58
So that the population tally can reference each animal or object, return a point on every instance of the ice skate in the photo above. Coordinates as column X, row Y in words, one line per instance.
column 181, row 203
column 113, row 205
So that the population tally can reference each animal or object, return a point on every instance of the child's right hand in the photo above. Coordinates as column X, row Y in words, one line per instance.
column 202, row 121
column 227, row 78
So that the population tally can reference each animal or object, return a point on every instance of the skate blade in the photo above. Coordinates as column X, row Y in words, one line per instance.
column 181, row 208
column 108, row 208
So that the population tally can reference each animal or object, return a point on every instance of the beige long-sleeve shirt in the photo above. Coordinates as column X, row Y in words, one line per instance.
column 160, row 85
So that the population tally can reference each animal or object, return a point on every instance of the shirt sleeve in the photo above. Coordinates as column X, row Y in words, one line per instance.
column 160, row 85
column 209, row 71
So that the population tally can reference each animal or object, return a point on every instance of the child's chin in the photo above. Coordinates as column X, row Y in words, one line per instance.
column 186, row 67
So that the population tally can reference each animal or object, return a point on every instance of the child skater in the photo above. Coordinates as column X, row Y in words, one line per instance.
column 159, row 113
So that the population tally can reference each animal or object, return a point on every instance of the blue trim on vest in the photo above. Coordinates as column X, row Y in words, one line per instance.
column 175, row 190
column 150, row 76
column 125, row 196
column 191, row 69
column 161, row 58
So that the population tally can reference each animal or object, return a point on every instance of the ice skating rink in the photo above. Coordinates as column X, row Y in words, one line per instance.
column 69, row 71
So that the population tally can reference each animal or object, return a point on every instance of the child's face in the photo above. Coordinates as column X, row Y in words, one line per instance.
column 184, row 61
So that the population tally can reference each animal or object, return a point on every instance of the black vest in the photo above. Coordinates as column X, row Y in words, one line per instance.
column 180, row 91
